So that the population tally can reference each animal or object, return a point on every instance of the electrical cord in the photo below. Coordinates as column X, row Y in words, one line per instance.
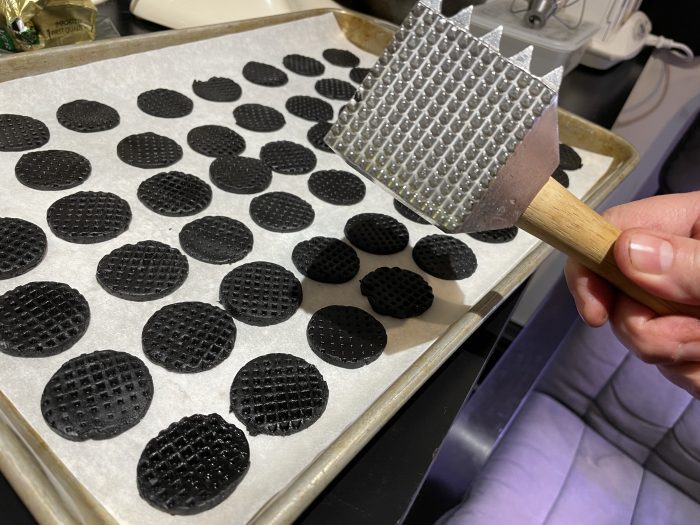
column 678, row 49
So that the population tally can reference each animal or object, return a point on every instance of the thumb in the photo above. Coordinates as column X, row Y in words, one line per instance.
column 666, row 265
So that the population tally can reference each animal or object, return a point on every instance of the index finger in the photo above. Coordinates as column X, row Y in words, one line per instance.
column 678, row 214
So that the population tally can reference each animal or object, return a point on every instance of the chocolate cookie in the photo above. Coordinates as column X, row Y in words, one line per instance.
column 264, row 74
column 288, row 158
column 337, row 187
column 561, row 177
column 408, row 213
column 568, row 158
column 149, row 150
column 164, row 103
column 396, row 292
column 174, row 194
column 217, row 89
column 216, row 240
column 444, row 257
column 256, row 117
column 243, row 175
column 52, row 169
column 88, row 217
column 376, row 233
column 20, row 133
column 87, row 116
column 335, row 89
column 341, row 58
column 281, row 212
column 303, row 65
column 215, row 141
column 309, row 108
column 326, row 260
column 496, row 236
column 358, row 74
column 22, row 246
column 317, row 133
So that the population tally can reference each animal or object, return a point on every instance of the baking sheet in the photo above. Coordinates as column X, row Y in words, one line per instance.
column 107, row 468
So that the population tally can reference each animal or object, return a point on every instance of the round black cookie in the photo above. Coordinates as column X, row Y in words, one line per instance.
column 149, row 150
column 217, row 89
column 256, row 117
column 97, row 395
column 20, row 133
column 42, row 318
column 408, row 213
column 337, row 187
column 444, row 257
column 358, row 74
column 278, row 394
column 303, row 65
column 288, row 158
column 346, row 336
column 568, row 158
column 174, row 194
column 397, row 292
column 376, row 233
column 216, row 240
column 309, row 108
column 22, row 246
column 496, row 236
column 188, row 337
column 143, row 271
column 341, row 57
column 264, row 74
column 561, row 177
column 281, row 212
column 87, row 116
column 335, row 89
column 316, row 134
column 243, row 175
column 326, row 260
column 164, row 103
column 215, row 141
column 193, row 465
column 88, row 217
column 260, row 293
column 52, row 169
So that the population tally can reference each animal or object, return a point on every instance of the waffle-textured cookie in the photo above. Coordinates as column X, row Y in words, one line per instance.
column 303, row 65
column 397, row 292
column 278, row 394
column 217, row 89
column 408, row 213
column 52, row 169
column 261, row 293
column 42, row 318
column 22, row 246
column 337, row 187
column 20, row 133
column 164, row 103
column 143, row 271
column 88, row 217
column 216, row 240
column 568, row 158
column 316, row 134
column 149, row 150
column 288, row 158
column 376, row 233
column 215, row 141
column 444, row 257
column 264, row 74
column 335, row 89
column 243, row 175
column 346, row 336
column 496, row 236
column 188, row 337
column 87, row 116
column 174, row 194
column 561, row 177
column 358, row 74
column 341, row 57
column 97, row 395
column 326, row 260
column 193, row 465
column 257, row 117
column 309, row 108
column 279, row 211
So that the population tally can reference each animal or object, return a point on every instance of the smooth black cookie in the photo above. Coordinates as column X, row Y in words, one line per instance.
column 261, row 293
column 164, row 103
column 335, row 89
column 444, row 257
column 256, row 117
column 215, row 141
column 281, row 212
column 88, row 217
column 317, row 133
column 97, row 395
column 288, row 158
column 193, row 465
column 143, row 271
column 337, row 187
column 303, row 65
column 264, row 74
column 408, row 213
column 309, row 108
column 397, row 292
column 217, row 89
column 42, row 318
column 149, row 150
column 216, row 240
column 52, row 169
column 243, row 175
column 568, row 158
column 376, row 233
column 20, row 133
column 22, row 246
column 346, row 336
column 278, row 394
column 188, row 337
column 341, row 58
column 496, row 236
column 174, row 194
column 326, row 260
column 358, row 74
column 87, row 116
column 561, row 177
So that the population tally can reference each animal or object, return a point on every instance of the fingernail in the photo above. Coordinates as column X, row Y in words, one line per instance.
column 650, row 254
column 689, row 351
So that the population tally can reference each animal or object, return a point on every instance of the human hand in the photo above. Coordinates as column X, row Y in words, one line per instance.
column 659, row 250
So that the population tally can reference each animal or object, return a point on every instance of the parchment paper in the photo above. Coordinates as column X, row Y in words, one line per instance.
column 107, row 468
